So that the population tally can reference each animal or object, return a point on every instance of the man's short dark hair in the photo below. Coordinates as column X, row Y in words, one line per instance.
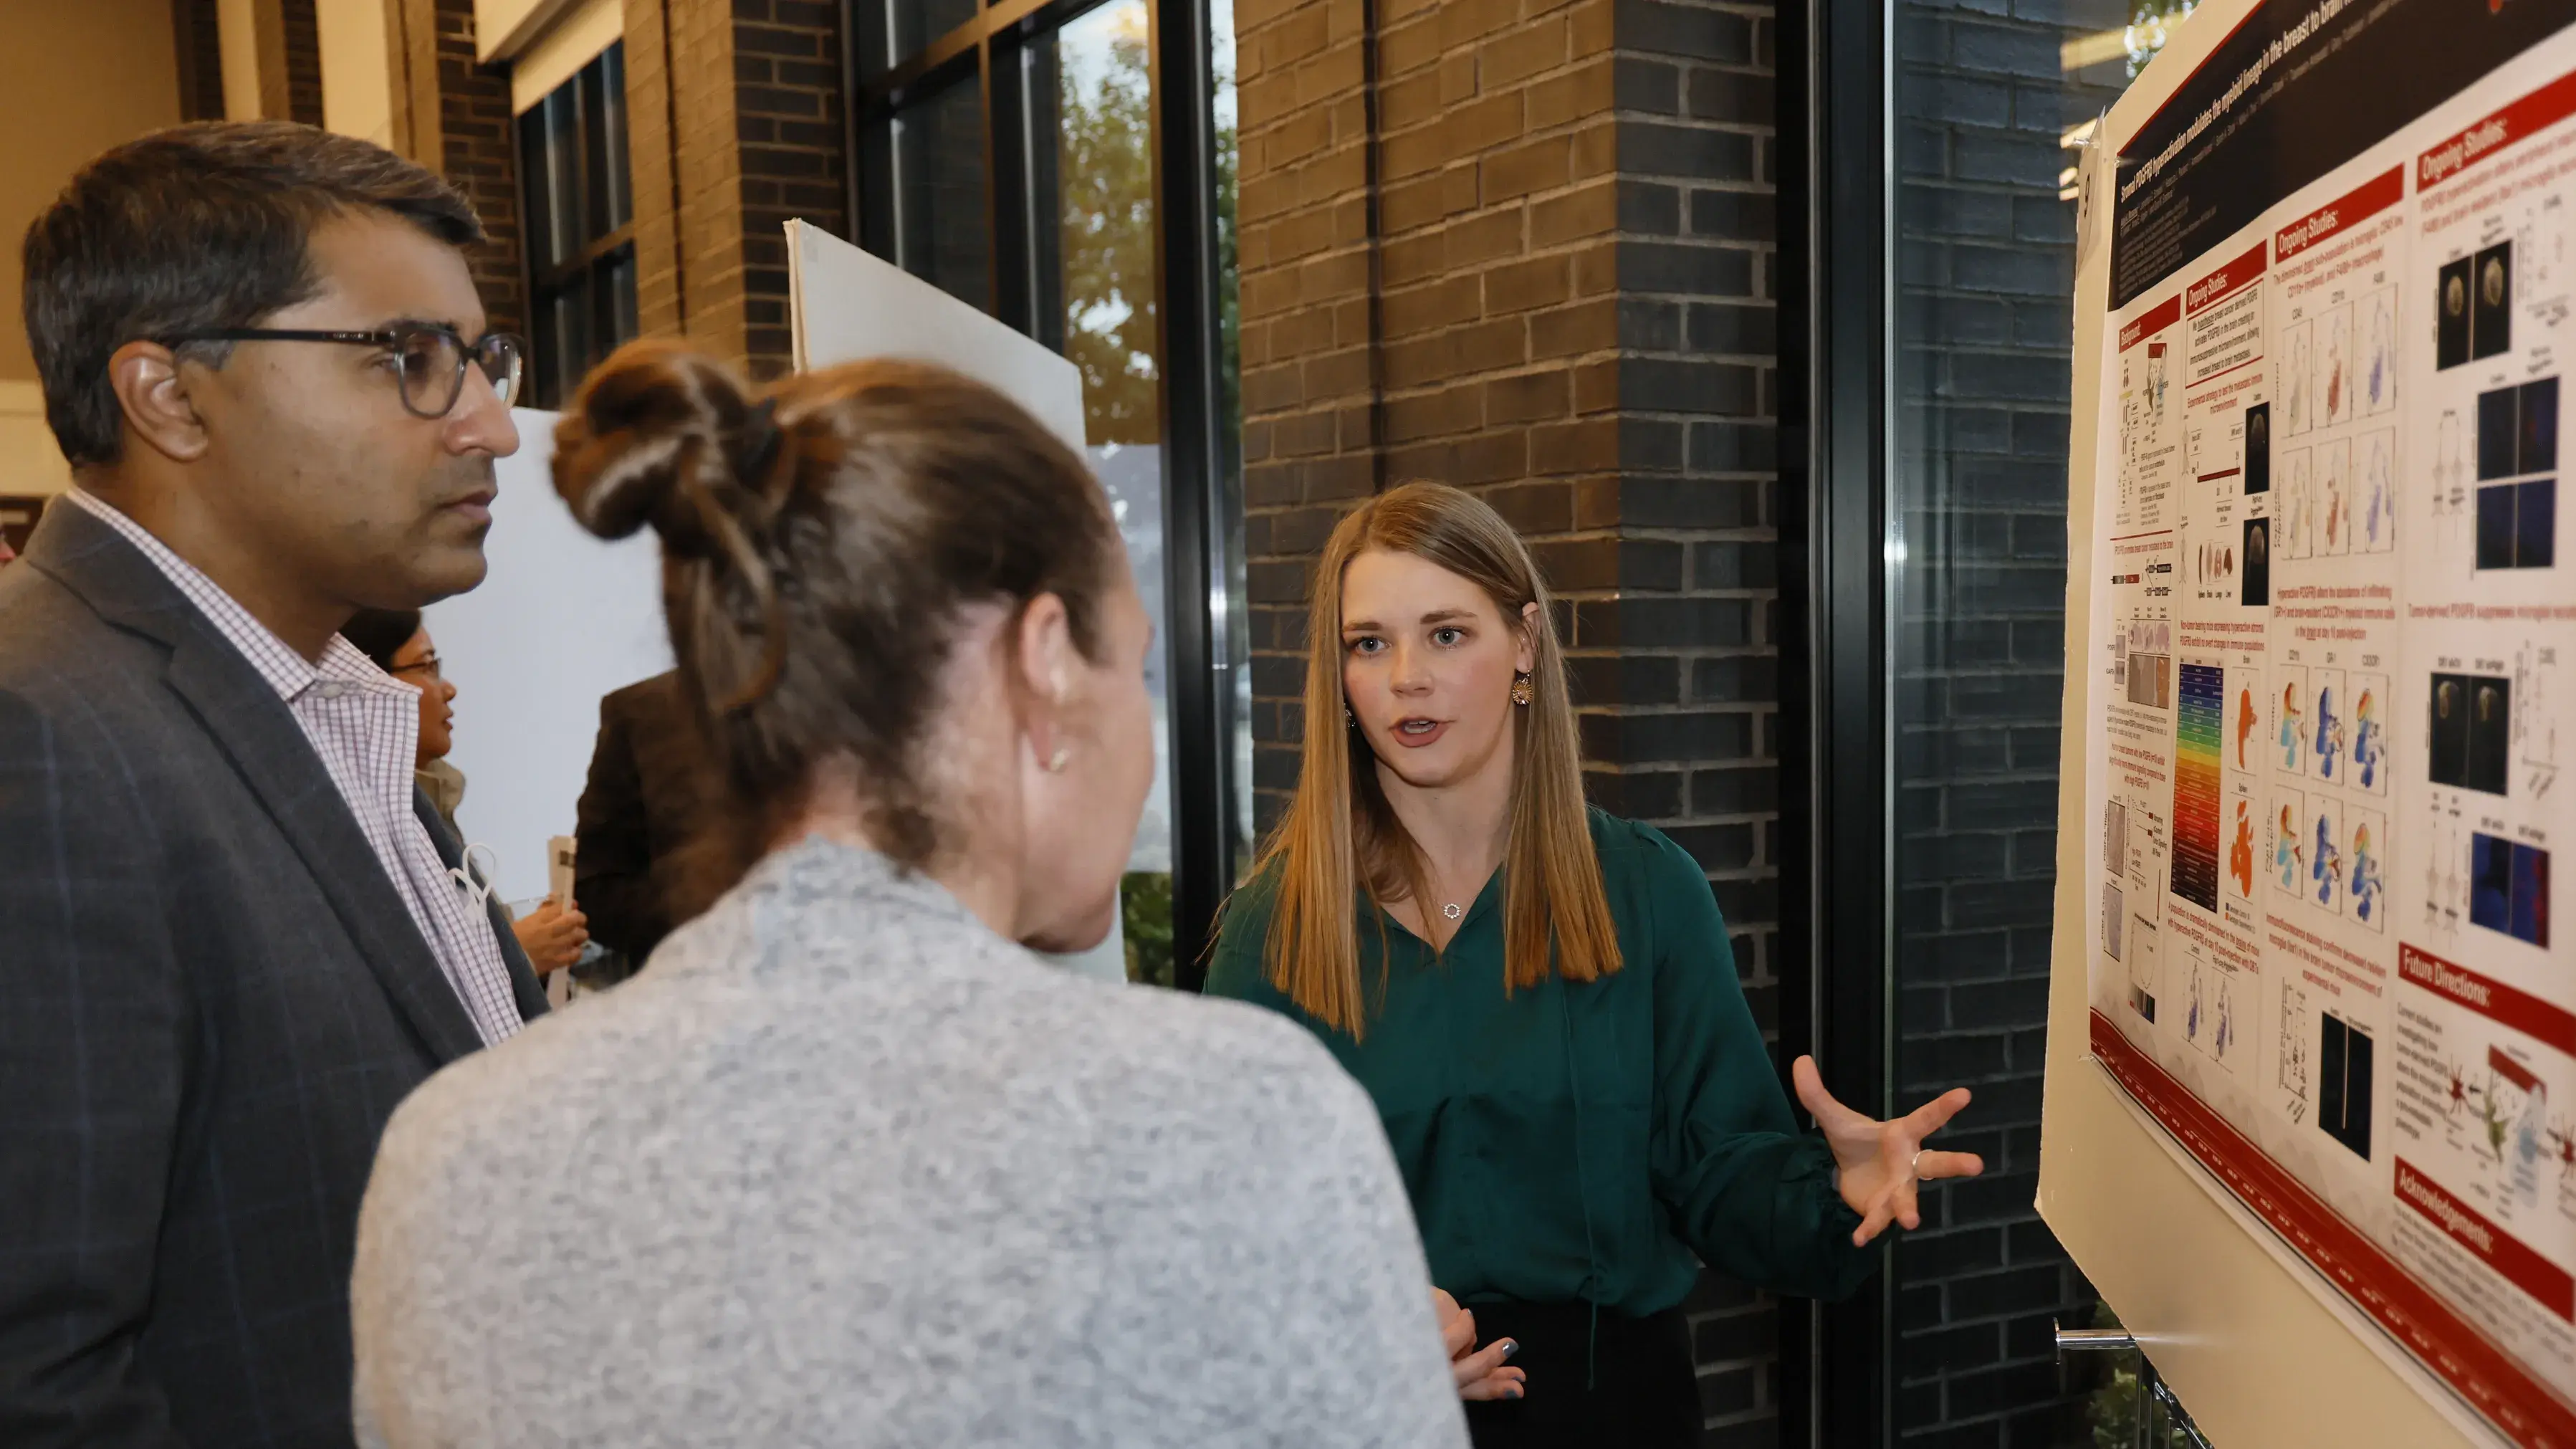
column 196, row 228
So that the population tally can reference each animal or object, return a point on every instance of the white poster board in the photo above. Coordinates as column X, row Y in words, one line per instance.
column 846, row 306
column 561, row 619
column 2312, row 1041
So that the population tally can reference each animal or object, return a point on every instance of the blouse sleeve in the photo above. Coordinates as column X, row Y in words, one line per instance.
column 1754, row 1197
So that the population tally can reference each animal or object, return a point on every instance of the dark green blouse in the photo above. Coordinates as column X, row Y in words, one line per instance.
column 1581, row 1142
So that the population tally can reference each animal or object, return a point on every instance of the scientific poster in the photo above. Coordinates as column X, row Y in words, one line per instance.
column 2327, row 606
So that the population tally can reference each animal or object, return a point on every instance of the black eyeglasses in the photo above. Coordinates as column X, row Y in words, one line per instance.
column 432, row 357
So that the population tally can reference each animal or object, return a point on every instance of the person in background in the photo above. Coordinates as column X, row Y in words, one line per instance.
column 234, row 941
column 642, row 821
column 850, row 1164
column 397, row 642
column 1541, row 999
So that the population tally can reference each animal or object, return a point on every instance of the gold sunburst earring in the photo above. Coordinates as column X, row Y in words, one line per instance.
column 1521, row 690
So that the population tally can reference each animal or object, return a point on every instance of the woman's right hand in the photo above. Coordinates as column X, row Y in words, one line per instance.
column 1480, row 1375
column 552, row 935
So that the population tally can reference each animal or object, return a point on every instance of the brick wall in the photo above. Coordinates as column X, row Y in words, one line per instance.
column 734, row 127
column 303, row 61
column 452, row 115
column 1985, row 294
column 787, row 110
column 1572, row 245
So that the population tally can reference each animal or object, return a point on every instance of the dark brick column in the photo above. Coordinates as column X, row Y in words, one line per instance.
column 452, row 115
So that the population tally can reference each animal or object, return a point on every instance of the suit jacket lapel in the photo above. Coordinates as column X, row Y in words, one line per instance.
column 255, row 728
column 524, row 985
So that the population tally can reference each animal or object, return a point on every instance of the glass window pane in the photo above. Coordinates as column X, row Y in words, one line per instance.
column 1985, row 241
column 941, row 232
column 614, row 182
column 1234, row 618
column 566, row 211
column 894, row 31
column 536, row 185
column 1093, row 84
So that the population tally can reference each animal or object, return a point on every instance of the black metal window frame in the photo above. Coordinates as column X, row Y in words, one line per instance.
column 1835, row 331
column 1199, row 538
column 597, row 142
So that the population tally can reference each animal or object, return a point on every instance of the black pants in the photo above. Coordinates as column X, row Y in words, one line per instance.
column 1633, row 1388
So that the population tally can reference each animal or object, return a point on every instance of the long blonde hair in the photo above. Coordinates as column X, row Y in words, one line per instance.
column 1340, row 836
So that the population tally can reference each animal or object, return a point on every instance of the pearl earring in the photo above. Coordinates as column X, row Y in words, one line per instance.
column 1056, row 762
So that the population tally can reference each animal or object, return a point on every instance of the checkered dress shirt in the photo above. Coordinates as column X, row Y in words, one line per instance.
column 365, row 724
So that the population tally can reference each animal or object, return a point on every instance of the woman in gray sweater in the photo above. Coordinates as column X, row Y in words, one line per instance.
column 850, row 1165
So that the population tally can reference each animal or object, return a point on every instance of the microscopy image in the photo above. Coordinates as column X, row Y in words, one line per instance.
column 2451, row 330
column 2499, row 432
column 2491, row 305
column 2258, row 561
column 2536, row 433
column 2472, row 729
column 2258, row 448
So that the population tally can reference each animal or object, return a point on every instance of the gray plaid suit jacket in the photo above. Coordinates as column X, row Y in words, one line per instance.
column 211, row 1000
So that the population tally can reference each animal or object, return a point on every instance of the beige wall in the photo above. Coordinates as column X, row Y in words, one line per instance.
column 75, row 79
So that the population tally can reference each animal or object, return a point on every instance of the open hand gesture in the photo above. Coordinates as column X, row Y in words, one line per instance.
column 1878, row 1163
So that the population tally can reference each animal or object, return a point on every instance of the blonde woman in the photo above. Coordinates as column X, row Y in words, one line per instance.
column 1539, row 997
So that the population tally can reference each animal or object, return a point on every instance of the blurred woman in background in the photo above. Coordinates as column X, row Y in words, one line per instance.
column 552, row 934
column 850, row 1165
column 1540, row 998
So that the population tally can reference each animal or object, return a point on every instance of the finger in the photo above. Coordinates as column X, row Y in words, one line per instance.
column 1933, row 1165
column 1934, row 1115
column 1909, row 1208
column 1820, row 1104
column 1458, row 1335
column 1875, row 1223
column 1484, row 1361
column 1508, row 1383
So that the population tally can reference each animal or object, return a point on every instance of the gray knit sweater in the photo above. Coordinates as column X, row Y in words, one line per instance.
column 845, row 1168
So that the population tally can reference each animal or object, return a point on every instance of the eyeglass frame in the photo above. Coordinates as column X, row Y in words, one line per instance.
column 468, row 354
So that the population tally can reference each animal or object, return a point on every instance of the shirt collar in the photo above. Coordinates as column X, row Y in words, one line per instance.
column 287, row 672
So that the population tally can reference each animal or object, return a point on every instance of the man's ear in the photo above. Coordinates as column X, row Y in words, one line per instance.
column 155, row 401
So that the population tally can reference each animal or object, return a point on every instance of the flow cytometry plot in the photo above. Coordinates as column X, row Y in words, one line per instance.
column 2290, row 718
column 2245, row 721
column 2288, row 825
column 2334, row 395
column 2344, row 1071
column 2114, row 916
column 2472, row 727
column 2376, row 488
column 2197, row 724
column 2535, row 721
column 2379, row 351
column 2334, row 498
column 2295, row 346
column 2298, row 512
column 2369, row 767
column 2518, row 525
column 2365, row 869
column 2451, row 325
column 2491, row 304
column 2509, row 888
column 2330, row 729
column 2258, row 448
column 2326, row 864
column 2240, row 842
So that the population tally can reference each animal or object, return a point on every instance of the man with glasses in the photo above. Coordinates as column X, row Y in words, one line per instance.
column 236, row 936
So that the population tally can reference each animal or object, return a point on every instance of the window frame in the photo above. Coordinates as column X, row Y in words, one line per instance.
column 1202, row 528
column 593, row 262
